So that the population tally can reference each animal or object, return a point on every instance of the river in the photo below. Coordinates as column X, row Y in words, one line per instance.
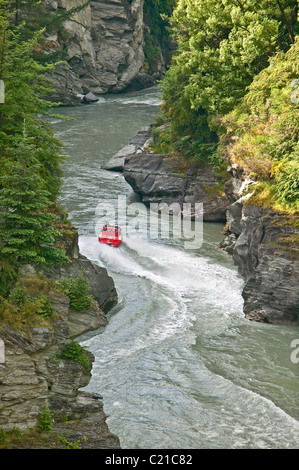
column 178, row 366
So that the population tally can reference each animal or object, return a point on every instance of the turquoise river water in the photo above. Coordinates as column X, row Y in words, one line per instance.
column 178, row 366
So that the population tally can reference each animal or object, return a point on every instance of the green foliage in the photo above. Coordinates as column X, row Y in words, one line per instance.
column 3, row 436
column 75, row 352
column 77, row 289
column 156, row 13
column 20, row 121
column 6, row 435
column 69, row 444
column 261, row 133
column 30, row 160
column 18, row 296
column 221, row 47
column 21, row 309
column 287, row 183
column 45, row 420
column 28, row 302
column 26, row 227
column 8, row 275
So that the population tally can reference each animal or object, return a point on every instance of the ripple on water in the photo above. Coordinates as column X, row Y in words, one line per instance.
column 178, row 365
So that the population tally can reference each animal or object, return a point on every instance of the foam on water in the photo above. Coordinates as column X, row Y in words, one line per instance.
column 158, row 347
column 178, row 365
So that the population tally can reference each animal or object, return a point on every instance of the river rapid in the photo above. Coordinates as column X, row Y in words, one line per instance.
column 178, row 366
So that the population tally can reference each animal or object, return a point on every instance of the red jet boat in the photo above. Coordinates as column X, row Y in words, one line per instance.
column 111, row 235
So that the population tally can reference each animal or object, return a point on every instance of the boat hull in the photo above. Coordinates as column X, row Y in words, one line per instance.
column 110, row 242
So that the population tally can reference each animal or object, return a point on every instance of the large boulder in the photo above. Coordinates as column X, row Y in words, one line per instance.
column 103, row 48
column 160, row 179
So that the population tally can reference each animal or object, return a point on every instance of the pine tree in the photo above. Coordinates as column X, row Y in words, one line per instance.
column 26, row 224
column 30, row 159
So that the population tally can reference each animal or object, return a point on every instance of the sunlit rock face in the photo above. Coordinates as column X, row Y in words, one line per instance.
column 103, row 46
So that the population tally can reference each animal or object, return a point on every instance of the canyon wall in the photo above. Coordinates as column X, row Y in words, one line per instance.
column 34, row 374
column 263, row 242
column 103, row 46
column 264, row 246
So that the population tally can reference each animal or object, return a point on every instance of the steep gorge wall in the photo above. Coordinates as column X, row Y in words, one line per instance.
column 103, row 44
column 264, row 246
column 33, row 376
column 263, row 243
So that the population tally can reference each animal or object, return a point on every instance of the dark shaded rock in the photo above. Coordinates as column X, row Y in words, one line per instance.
column 269, row 262
column 86, row 425
column 264, row 245
column 159, row 179
column 234, row 216
column 90, row 98
column 102, row 285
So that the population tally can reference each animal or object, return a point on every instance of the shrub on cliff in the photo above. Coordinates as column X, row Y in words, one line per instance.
column 261, row 134
column 75, row 352
column 45, row 419
column 222, row 46
column 77, row 289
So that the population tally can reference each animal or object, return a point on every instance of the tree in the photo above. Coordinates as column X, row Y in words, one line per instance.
column 26, row 224
column 222, row 45
column 30, row 159
column 261, row 134
column 25, row 91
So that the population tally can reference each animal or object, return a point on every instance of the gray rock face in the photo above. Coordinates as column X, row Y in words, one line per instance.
column 102, row 285
column 135, row 145
column 104, row 48
column 32, row 375
column 268, row 259
column 158, row 179
column 264, row 247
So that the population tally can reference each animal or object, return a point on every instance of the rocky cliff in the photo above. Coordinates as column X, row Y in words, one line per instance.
column 35, row 374
column 166, row 179
column 263, row 243
column 103, row 47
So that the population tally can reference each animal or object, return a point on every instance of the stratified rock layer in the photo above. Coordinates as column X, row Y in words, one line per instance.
column 264, row 244
column 103, row 44
column 159, row 179
column 33, row 375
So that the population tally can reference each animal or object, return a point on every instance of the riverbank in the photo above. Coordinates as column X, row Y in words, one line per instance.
column 44, row 368
column 263, row 243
